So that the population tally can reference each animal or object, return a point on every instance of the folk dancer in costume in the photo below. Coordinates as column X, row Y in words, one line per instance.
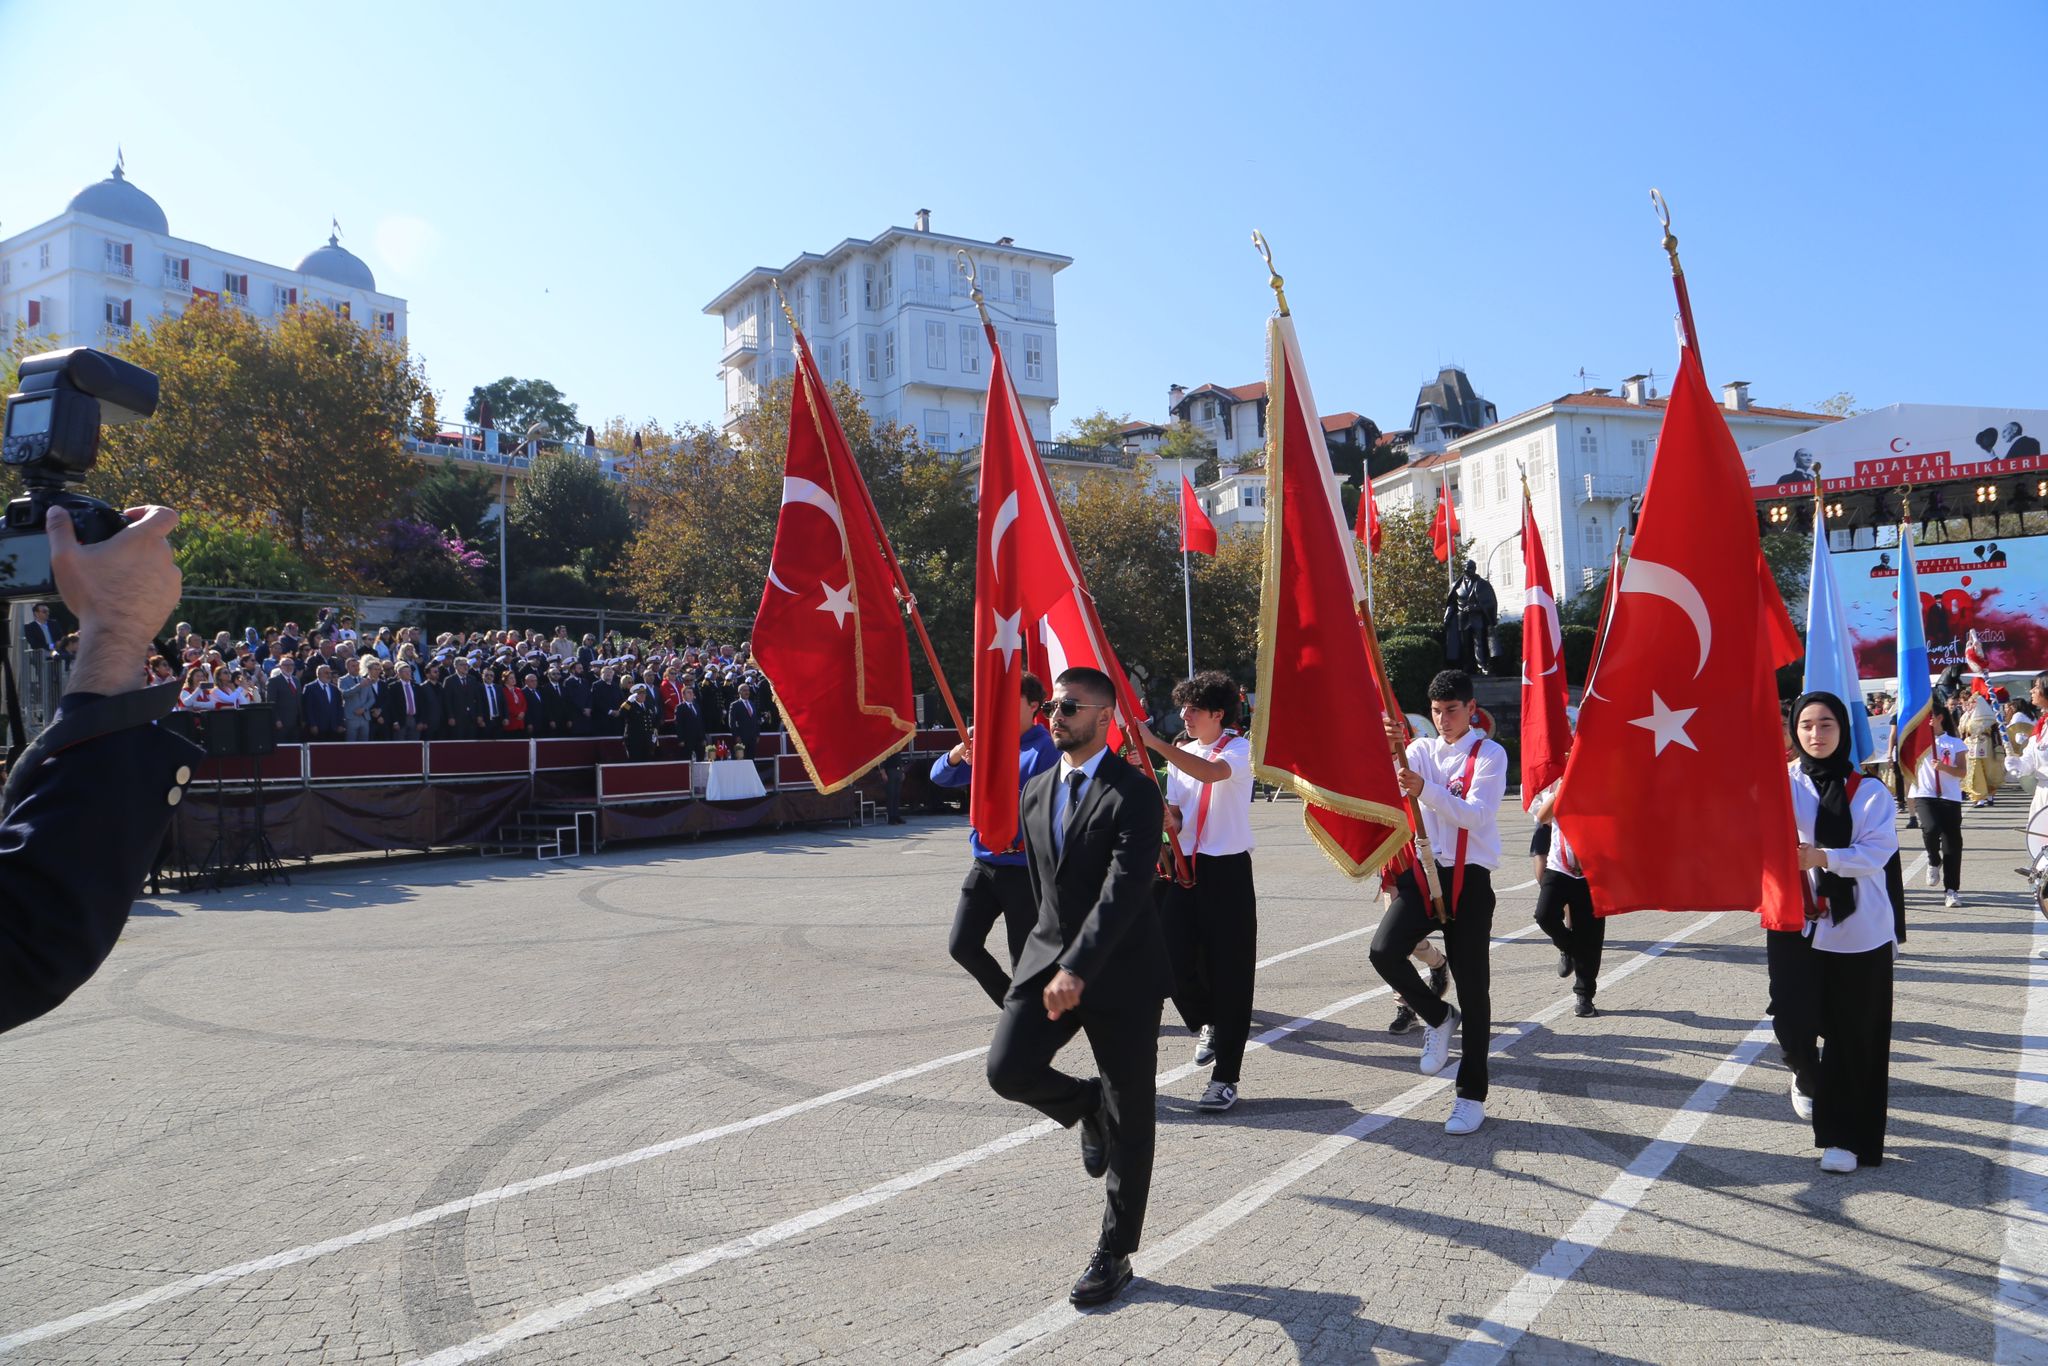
column 1095, row 962
column 1937, row 796
column 1212, row 927
column 1841, row 978
column 2031, row 759
column 997, row 886
column 1981, row 736
column 1457, row 777
column 1564, row 910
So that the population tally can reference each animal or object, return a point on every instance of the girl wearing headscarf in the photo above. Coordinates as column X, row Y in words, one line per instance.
column 1847, row 838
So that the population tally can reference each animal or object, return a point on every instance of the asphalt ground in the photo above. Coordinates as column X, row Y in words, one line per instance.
column 725, row 1102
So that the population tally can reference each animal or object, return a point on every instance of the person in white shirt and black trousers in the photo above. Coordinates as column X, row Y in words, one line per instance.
column 1937, row 797
column 1564, row 909
column 1457, row 777
column 1842, row 982
column 1212, row 927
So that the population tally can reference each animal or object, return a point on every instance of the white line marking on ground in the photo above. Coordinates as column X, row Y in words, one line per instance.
column 1509, row 1319
column 2021, row 1310
column 556, row 1315
column 376, row 1232
column 1057, row 1317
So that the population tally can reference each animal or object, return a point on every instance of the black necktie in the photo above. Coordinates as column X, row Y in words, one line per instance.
column 1074, row 782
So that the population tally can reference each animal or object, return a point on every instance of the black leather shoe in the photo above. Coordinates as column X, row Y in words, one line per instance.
column 1103, row 1281
column 1094, row 1128
column 1585, row 1009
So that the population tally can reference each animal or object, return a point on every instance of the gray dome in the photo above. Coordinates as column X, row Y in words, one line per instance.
column 115, row 200
column 337, row 263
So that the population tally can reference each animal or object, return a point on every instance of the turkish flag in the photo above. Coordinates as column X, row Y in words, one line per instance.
column 1675, row 796
column 1546, row 731
column 1443, row 530
column 828, row 633
column 1031, row 608
column 1197, row 532
column 1368, row 528
column 1316, row 730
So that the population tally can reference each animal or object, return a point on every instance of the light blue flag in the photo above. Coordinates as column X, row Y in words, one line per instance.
column 1830, row 656
column 1915, row 733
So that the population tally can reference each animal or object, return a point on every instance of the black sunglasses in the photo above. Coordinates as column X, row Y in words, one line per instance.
column 1067, row 706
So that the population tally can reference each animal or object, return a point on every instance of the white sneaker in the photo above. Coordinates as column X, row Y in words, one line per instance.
column 1933, row 876
column 1436, row 1044
column 1466, row 1115
column 1802, row 1104
column 1205, row 1046
column 1951, row 900
column 1839, row 1160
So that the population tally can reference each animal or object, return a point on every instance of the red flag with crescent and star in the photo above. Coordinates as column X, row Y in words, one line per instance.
column 828, row 634
column 1546, row 729
column 1675, row 797
column 1031, row 608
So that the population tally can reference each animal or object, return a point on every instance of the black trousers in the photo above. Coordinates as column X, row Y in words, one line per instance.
column 1941, row 830
column 1584, row 938
column 1795, row 1005
column 1855, row 1059
column 1467, row 940
column 991, row 893
column 1212, row 937
column 1126, row 1047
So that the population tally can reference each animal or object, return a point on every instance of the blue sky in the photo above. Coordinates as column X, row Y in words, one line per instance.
column 1859, row 190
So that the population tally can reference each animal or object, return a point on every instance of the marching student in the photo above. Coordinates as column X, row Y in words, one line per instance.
column 1563, row 892
column 1457, row 777
column 1212, row 927
column 1431, row 957
column 1937, row 797
column 997, row 885
column 1847, row 837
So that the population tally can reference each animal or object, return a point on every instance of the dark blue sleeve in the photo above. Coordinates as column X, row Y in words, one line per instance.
column 75, row 847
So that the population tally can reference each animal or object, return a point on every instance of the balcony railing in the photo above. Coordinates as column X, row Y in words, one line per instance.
column 174, row 281
column 1069, row 452
column 467, row 443
column 236, row 298
column 744, row 342
column 1608, row 488
column 116, row 266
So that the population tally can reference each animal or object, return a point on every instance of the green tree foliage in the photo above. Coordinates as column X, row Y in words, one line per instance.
column 450, row 497
column 1097, row 429
column 289, row 428
column 1127, row 536
column 1839, row 404
column 212, row 553
column 1408, row 580
column 516, row 404
column 566, row 512
column 1183, row 441
column 1226, row 593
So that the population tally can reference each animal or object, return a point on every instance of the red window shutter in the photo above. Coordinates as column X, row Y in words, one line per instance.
column 127, row 253
column 35, row 312
column 185, row 268
column 127, row 312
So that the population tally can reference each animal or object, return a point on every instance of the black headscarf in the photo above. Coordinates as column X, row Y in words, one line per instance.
column 1834, row 825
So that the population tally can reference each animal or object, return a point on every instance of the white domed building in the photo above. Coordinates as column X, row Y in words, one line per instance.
column 109, row 262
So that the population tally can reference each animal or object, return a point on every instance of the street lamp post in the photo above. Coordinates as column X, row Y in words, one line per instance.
column 533, row 435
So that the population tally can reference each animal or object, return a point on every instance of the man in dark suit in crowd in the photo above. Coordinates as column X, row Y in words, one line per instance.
column 490, row 717
column 400, row 699
column 690, row 726
column 462, row 700
column 744, row 721
column 586, row 653
column 1095, row 962
column 321, row 706
column 576, row 693
column 605, row 698
column 41, row 636
column 284, row 699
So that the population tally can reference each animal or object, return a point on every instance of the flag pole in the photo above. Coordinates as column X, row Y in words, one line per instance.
column 1187, row 592
column 905, row 599
column 1663, row 211
column 1368, row 558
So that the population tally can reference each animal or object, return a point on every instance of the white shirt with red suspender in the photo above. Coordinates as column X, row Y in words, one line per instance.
column 1451, row 807
column 1216, row 818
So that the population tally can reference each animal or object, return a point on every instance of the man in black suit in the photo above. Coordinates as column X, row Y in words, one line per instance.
column 605, row 697
column 1095, row 962
column 2022, row 445
column 284, row 700
column 462, row 700
column 41, row 637
column 491, row 717
column 576, row 694
column 321, row 706
column 400, row 700
column 744, row 722
column 690, row 726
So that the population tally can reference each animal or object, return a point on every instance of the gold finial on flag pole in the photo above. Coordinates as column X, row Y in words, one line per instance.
column 1820, row 496
column 1663, row 212
column 783, row 299
column 1279, row 285
column 973, row 284
column 1906, row 505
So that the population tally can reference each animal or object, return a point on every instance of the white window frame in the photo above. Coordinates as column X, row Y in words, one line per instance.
column 970, row 349
column 934, row 345
column 873, row 345
column 1004, row 339
column 283, row 297
column 846, row 359
column 1020, row 286
column 938, row 435
column 974, row 427
column 1500, row 476
column 43, row 256
column 867, row 286
column 1034, row 356
column 1589, row 444
column 842, row 291
column 927, row 273
column 889, row 354
column 888, row 281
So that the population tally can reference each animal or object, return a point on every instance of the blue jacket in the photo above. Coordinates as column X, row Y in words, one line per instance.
column 1035, row 754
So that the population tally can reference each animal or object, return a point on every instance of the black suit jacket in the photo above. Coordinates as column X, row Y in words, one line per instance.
column 284, row 698
column 391, row 701
column 743, row 719
column 690, row 725
column 2022, row 447
column 1095, row 913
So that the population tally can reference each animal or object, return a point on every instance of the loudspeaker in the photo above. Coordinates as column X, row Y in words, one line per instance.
column 259, row 729
column 185, row 723
column 240, row 732
column 222, row 731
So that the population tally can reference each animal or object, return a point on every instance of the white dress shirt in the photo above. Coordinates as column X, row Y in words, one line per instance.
column 1062, row 793
column 1929, row 782
column 1875, row 840
column 1446, row 810
column 1228, row 829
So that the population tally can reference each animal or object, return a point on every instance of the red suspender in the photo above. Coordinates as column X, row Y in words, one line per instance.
column 1464, row 835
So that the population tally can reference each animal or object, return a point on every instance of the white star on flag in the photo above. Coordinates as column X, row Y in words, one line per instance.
column 1009, row 636
column 1666, row 724
column 838, row 601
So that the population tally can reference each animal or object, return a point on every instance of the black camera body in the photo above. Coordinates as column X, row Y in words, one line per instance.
column 52, row 435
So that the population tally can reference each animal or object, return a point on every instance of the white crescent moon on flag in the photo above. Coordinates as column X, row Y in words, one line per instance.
column 806, row 491
column 1005, row 515
column 1540, row 599
column 1662, row 581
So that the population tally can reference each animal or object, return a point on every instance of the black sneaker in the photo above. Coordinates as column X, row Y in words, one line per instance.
column 1440, row 980
column 1585, row 1009
column 1103, row 1281
column 1403, row 1021
column 1564, row 964
column 1094, row 1127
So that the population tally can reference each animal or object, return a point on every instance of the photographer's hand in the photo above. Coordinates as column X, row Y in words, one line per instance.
column 121, row 590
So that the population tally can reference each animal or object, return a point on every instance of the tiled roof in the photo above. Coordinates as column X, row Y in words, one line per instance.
column 1338, row 422
column 1592, row 400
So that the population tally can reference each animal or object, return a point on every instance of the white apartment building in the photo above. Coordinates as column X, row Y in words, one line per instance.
column 1587, row 456
column 109, row 262
column 892, row 318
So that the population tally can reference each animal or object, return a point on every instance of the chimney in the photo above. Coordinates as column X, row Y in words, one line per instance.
column 1174, row 395
column 924, row 220
column 1735, row 396
column 1636, row 389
